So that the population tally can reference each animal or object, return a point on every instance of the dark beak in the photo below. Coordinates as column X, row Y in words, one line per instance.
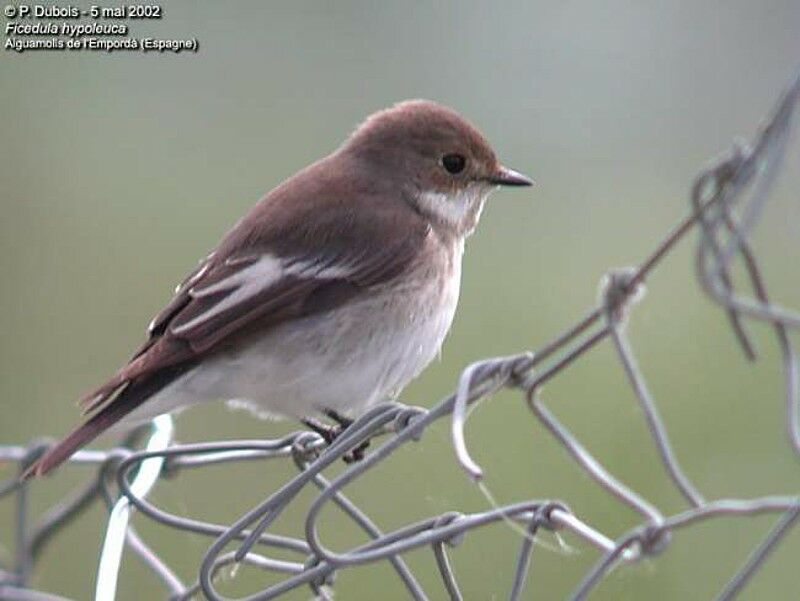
column 508, row 177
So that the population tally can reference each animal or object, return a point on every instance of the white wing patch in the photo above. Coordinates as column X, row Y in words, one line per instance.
column 253, row 279
column 264, row 272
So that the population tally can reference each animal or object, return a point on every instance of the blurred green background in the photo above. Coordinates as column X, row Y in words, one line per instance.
column 120, row 171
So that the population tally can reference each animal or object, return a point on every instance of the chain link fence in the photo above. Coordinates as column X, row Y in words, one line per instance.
column 727, row 200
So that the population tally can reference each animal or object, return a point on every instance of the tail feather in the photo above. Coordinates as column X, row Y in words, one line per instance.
column 131, row 395
column 82, row 435
column 96, row 399
column 163, row 356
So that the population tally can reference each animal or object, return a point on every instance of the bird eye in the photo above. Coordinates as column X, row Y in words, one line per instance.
column 454, row 163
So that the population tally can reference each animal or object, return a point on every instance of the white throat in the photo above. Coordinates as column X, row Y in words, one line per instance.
column 460, row 210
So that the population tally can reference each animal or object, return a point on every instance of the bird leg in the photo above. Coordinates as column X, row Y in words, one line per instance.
column 327, row 431
column 331, row 432
column 344, row 422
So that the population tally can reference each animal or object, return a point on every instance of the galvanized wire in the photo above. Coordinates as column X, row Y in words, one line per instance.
column 727, row 200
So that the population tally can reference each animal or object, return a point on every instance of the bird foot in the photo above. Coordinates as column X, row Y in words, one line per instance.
column 330, row 432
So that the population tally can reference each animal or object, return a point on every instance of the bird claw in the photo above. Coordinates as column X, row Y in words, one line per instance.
column 330, row 432
column 356, row 454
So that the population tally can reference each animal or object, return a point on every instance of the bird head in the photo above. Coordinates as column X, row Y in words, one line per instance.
column 442, row 164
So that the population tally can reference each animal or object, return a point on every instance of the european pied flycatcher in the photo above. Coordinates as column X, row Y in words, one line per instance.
column 330, row 295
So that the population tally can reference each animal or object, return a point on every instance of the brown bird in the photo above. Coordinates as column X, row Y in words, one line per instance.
column 330, row 295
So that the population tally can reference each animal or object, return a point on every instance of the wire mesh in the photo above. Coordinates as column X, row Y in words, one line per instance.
column 727, row 200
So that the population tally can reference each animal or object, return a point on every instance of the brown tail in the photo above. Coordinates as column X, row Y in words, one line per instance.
column 130, row 397
column 83, row 434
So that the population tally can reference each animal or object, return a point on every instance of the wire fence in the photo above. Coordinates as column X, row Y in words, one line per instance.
column 727, row 200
